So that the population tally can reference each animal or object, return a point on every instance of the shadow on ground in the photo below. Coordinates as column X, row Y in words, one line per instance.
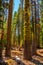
column 36, row 61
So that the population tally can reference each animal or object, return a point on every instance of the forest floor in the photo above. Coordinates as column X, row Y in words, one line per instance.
column 17, row 58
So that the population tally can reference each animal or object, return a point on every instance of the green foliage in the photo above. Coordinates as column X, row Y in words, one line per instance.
column 1, row 20
column 1, row 8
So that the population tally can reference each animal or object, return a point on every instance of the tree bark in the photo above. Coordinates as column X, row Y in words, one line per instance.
column 8, row 46
column 27, row 32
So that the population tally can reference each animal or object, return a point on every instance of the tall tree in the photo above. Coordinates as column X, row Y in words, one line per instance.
column 8, row 46
column 35, row 25
column 42, row 19
column 21, row 22
column 27, row 32
column 19, row 26
column 1, row 27
column 14, row 28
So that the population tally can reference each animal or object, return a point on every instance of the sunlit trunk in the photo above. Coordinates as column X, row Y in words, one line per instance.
column 27, row 32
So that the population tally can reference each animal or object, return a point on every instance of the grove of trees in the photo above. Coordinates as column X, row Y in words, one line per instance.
column 21, row 29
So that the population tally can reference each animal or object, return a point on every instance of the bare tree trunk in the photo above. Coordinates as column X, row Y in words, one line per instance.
column 27, row 32
column 8, row 46
column 1, row 27
column 1, row 47
column 34, row 45
column 14, row 37
column 1, row 43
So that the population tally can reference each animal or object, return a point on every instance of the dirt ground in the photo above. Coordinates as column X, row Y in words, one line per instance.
column 36, row 59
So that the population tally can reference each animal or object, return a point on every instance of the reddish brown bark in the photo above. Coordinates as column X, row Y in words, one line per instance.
column 27, row 32
column 8, row 46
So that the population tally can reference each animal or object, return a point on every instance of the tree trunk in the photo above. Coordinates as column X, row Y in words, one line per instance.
column 38, row 36
column 27, row 32
column 14, row 37
column 42, row 19
column 1, row 43
column 8, row 46
column 1, row 28
column 34, row 45
column 1, row 49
